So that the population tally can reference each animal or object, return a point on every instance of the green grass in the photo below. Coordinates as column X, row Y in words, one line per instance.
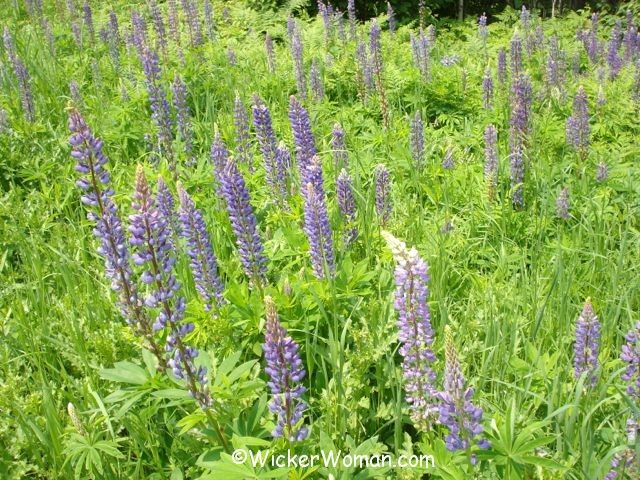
column 510, row 283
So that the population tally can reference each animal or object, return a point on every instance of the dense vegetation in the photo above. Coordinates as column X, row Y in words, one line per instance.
column 224, row 227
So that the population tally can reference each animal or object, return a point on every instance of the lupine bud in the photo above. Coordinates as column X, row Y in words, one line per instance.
column 347, row 204
column 483, row 31
column 516, row 56
column 208, row 20
column 88, row 20
column 602, row 172
column 587, row 344
column 382, row 181
column 243, row 223
column 351, row 12
column 516, row 169
column 562, row 204
column 286, row 372
column 414, row 331
column 203, row 262
column 613, row 59
column 219, row 157
column 231, row 56
column 448, row 162
column 77, row 423
column 421, row 52
column 158, row 26
column 457, row 413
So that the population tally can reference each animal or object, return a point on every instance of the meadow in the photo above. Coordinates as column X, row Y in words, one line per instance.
column 228, row 227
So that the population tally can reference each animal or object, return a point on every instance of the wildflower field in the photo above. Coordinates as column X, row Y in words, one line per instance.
column 232, row 228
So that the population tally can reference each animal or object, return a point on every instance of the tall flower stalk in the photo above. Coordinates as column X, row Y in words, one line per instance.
column 414, row 331
column 347, row 204
column 91, row 161
column 578, row 129
column 457, row 413
column 243, row 223
column 286, row 371
column 382, row 181
column 587, row 344
column 203, row 262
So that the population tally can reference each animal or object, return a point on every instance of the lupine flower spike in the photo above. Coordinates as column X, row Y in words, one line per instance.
column 587, row 344
column 286, row 372
column 457, row 413
column 414, row 331
column 382, row 181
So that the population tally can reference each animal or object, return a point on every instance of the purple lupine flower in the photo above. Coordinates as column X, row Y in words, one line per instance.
column 516, row 55
column 620, row 463
column 183, row 117
column 449, row 60
column 77, row 33
column 174, row 21
column 382, row 181
column 487, row 90
column 587, row 345
column 602, row 172
column 244, row 223
column 630, row 355
column 491, row 159
column 391, row 18
column 266, row 138
column 591, row 40
column 516, row 169
column 448, row 162
column 282, row 165
column 630, row 41
column 114, row 28
column 139, row 32
column 9, row 45
column 613, row 59
column 317, row 87
column 158, row 26
column 295, row 41
column 483, row 31
column 325, row 13
column 578, row 129
column 242, row 129
column 160, row 111
column 74, row 93
column 154, row 252
column 457, row 413
column 562, row 204
column 91, row 161
column 208, row 20
column 502, row 66
column 286, row 372
column 302, row 136
column 417, row 140
column 525, row 18
column 190, row 9
column 317, row 226
column 166, row 206
column 24, row 86
column 375, row 51
column 4, row 121
column 351, row 12
column 535, row 41
column 231, row 56
column 339, row 147
column 522, row 96
column 48, row 34
column 555, row 65
column 365, row 73
column 203, row 262
column 339, row 19
column 219, row 157
column 88, row 20
column 347, row 204
column 414, row 331
column 271, row 56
